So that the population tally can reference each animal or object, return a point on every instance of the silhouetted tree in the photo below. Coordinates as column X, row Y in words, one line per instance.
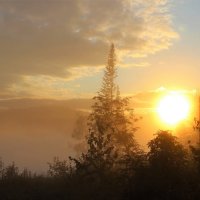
column 167, row 174
column 60, row 168
column 26, row 174
column 196, row 156
column 195, row 149
column 111, row 129
column 166, row 152
column 11, row 171
column 1, row 168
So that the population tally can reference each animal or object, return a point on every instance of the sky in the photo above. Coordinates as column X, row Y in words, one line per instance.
column 52, row 57
column 57, row 49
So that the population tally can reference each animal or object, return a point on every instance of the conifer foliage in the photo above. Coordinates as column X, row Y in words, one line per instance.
column 111, row 130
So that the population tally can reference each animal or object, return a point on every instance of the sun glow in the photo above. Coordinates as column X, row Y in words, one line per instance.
column 173, row 108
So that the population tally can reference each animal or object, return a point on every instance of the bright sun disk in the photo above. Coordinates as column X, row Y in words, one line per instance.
column 173, row 108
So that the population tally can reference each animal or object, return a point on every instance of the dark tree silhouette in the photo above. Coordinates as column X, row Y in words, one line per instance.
column 196, row 156
column 195, row 149
column 168, row 164
column 166, row 152
column 111, row 147
column 111, row 129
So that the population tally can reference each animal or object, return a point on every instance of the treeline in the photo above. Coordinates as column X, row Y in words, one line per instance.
column 113, row 167
column 168, row 171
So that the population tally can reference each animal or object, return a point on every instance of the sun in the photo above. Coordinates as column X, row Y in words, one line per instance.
column 173, row 108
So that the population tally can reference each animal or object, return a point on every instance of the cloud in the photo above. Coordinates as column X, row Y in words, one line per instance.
column 40, row 86
column 55, row 38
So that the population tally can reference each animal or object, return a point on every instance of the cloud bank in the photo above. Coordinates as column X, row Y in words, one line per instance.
column 60, row 39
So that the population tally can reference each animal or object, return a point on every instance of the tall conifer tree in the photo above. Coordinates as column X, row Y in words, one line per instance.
column 111, row 131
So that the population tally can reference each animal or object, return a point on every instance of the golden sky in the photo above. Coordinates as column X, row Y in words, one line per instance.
column 53, row 51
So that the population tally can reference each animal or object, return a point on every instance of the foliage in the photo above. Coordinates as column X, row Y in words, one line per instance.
column 196, row 156
column 111, row 129
column 166, row 152
column 168, row 167
column 60, row 168
column 162, row 173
